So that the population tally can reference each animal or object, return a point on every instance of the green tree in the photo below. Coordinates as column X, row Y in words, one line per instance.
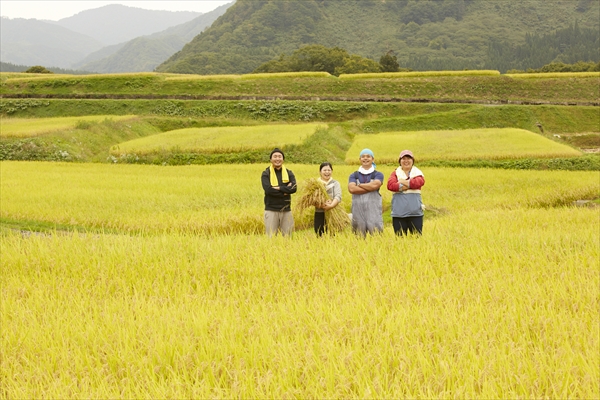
column 38, row 69
column 356, row 64
column 316, row 57
column 389, row 62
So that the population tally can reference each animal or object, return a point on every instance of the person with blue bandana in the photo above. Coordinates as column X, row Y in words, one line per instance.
column 367, row 208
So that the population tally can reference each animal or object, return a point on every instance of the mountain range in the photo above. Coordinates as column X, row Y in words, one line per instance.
column 144, row 53
column 113, row 38
column 33, row 42
column 240, row 36
column 115, row 23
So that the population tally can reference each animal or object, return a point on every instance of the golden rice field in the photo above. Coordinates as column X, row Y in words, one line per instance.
column 224, row 199
column 29, row 127
column 469, row 144
column 192, row 77
column 557, row 75
column 419, row 74
column 16, row 77
column 303, row 74
column 24, row 77
column 220, row 139
column 498, row 299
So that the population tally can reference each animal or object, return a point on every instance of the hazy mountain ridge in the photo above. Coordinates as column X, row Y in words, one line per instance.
column 141, row 54
column 33, row 42
column 104, row 52
column 146, row 52
column 448, row 34
column 115, row 23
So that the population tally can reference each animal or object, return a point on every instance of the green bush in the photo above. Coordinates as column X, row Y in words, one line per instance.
column 38, row 69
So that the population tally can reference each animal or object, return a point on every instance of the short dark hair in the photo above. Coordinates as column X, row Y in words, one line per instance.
column 325, row 164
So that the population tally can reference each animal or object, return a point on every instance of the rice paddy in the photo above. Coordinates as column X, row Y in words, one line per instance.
column 419, row 74
column 498, row 299
column 469, row 144
column 228, row 199
column 148, row 281
column 221, row 139
column 305, row 74
column 552, row 75
column 21, row 127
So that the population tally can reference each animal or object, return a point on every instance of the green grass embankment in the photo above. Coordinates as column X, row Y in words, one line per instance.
column 366, row 117
column 485, row 89
column 275, row 110
column 92, row 141
column 543, row 119
column 86, row 142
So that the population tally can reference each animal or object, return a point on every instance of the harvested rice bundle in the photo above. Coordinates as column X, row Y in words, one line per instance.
column 315, row 195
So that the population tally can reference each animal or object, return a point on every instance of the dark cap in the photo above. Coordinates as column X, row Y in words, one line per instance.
column 276, row 150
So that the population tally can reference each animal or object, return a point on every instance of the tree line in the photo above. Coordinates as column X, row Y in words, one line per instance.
column 563, row 46
column 335, row 61
column 39, row 69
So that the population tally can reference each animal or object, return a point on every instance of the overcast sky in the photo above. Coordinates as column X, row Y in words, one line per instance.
column 55, row 10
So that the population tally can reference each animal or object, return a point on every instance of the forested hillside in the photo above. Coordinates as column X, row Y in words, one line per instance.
column 424, row 34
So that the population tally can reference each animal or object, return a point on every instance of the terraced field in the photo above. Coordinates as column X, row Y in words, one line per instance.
column 157, row 281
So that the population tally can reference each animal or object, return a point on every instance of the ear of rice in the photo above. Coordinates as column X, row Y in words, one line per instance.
column 337, row 219
column 314, row 195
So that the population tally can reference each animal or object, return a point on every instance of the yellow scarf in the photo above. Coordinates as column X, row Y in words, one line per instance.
column 285, row 178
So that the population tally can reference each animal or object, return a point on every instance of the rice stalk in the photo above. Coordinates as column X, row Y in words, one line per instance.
column 314, row 195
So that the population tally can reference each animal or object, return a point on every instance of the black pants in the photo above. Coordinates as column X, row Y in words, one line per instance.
column 402, row 226
column 319, row 223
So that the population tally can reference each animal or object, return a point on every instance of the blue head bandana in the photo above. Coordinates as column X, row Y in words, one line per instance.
column 367, row 151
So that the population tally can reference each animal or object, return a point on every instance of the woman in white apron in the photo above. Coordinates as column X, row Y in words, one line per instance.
column 364, row 186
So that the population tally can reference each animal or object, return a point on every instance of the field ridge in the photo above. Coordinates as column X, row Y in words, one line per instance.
column 366, row 99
